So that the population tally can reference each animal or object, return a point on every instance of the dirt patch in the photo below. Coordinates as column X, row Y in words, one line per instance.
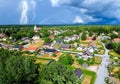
column 87, row 79
column 93, row 68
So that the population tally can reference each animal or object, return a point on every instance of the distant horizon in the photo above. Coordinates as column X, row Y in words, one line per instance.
column 59, row 24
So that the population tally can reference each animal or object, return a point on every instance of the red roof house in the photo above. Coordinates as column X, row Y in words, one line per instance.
column 116, row 40
column 32, row 48
column 51, row 36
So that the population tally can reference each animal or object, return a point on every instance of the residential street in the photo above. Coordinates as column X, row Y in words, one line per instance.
column 102, row 70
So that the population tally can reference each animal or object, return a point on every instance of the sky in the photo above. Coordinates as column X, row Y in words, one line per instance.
column 59, row 12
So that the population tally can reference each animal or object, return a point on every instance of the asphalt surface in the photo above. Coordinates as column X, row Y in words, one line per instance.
column 102, row 70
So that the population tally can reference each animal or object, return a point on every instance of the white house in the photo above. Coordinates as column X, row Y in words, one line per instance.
column 75, row 44
column 80, row 48
column 36, row 37
column 67, row 39
column 91, row 49
column 105, row 37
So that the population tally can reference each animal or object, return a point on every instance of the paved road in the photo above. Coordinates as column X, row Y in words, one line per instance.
column 102, row 71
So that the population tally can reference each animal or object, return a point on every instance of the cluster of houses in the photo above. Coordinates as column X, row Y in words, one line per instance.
column 63, row 43
column 71, row 38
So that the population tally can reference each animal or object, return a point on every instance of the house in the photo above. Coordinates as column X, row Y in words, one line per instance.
column 65, row 46
column 25, row 39
column 87, row 54
column 50, row 31
column 32, row 48
column 50, row 51
column 67, row 39
column 36, row 37
column 4, row 38
column 52, row 37
column 91, row 49
column 48, row 45
column 60, row 41
column 78, row 72
column 80, row 48
column 56, row 32
column 115, row 32
column 18, row 47
column 2, row 35
column 116, row 40
column 5, row 46
column 74, row 37
column 105, row 37
column 75, row 44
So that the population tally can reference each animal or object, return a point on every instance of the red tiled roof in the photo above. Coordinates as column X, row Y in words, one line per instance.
column 52, row 36
column 32, row 48
column 116, row 40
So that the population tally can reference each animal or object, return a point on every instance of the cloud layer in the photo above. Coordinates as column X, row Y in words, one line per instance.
column 92, row 10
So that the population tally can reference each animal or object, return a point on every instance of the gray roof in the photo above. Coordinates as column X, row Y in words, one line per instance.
column 65, row 46
column 47, row 44
column 78, row 72
column 59, row 41
column 88, row 53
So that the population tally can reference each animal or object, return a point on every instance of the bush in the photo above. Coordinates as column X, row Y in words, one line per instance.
column 66, row 59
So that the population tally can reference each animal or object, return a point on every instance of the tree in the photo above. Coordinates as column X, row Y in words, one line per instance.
column 16, row 68
column 116, row 47
column 109, row 45
column 66, row 59
column 113, row 36
column 83, row 36
column 57, row 73
column 48, row 40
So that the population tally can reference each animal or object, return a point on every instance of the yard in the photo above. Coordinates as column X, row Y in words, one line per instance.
column 90, row 76
column 113, row 54
column 97, row 60
column 38, row 44
column 86, row 79
column 42, row 61
column 48, row 56
column 90, row 61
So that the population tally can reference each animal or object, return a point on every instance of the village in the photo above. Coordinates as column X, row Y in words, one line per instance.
column 88, row 50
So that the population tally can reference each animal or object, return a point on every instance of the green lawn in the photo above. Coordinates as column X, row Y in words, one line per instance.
column 89, row 73
column 113, row 54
